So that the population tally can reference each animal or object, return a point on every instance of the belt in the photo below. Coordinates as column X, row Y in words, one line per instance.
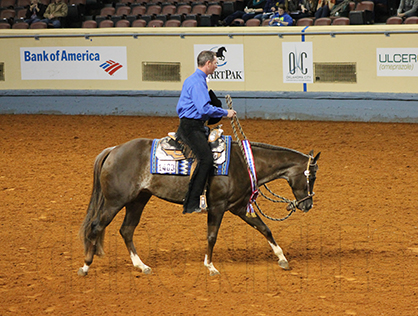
column 194, row 120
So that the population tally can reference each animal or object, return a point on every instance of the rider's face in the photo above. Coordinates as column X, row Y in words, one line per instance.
column 213, row 64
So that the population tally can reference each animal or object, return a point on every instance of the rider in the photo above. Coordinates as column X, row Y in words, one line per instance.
column 194, row 108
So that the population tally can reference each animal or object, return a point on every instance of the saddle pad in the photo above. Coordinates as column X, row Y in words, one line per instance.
column 183, row 166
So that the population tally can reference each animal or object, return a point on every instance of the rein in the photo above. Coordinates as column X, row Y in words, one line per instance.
column 292, row 204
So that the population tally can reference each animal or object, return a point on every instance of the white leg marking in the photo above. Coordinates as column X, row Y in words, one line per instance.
column 279, row 253
column 137, row 262
column 211, row 267
column 84, row 270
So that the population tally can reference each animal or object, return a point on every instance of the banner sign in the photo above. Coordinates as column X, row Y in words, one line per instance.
column 73, row 63
column 230, row 61
column 397, row 62
column 297, row 62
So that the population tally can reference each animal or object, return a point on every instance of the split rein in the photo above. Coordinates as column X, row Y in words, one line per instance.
column 292, row 204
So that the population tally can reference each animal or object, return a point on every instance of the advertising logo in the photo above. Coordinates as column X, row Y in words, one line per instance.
column 73, row 63
column 397, row 62
column 230, row 61
column 297, row 62
column 111, row 67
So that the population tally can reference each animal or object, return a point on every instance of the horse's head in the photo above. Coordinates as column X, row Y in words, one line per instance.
column 302, row 182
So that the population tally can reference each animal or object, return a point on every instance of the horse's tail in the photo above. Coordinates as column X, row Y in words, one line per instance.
column 95, row 206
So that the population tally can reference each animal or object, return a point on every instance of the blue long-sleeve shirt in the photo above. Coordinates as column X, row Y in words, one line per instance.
column 285, row 18
column 194, row 101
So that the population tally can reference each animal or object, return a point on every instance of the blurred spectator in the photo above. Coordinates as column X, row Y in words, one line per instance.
column 281, row 18
column 253, row 7
column 55, row 12
column 301, row 8
column 35, row 12
column 269, row 9
column 408, row 8
column 324, row 8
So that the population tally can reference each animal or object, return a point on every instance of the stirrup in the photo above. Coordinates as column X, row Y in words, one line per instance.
column 202, row 204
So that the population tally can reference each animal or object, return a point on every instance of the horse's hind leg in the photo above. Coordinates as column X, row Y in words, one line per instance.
column 258, row 224
column 95, row 239
column 131, row 221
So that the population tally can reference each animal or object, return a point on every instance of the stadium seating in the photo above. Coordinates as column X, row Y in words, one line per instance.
column 341, row 21
column 20, row 14
column 106, row 23
column 394, row 20
column 253, row 22
column 363, row 13
column 166, row 12
column 322, row 21
column 89, row 24
column 7, row 14
column 172, row 23
column 22, row 4
column 155, row 23
column 304, row 22
column 411, row 20
column 105, row 14
column 238, row 22
column 38, row 25
column 20, row 25
column 139, row 23
column 189, row 23
column 212, row 15
column 123, row 23
column 7, row 4
column 203, row 12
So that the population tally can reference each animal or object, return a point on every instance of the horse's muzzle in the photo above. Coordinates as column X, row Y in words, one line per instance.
column 306, row 203
column 305, row 206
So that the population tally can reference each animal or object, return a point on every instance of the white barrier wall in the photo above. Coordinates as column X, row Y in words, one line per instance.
column 256, row 51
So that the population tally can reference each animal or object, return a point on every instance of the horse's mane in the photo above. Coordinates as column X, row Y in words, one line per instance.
column 273, row 147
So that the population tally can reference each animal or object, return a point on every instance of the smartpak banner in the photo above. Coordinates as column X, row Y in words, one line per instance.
column 230, row 61
column 73, row 63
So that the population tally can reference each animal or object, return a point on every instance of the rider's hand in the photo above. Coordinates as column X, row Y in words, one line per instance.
column 231, row 113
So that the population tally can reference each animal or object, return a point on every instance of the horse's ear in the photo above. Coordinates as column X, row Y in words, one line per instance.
column 311, row 153
column 316, row 157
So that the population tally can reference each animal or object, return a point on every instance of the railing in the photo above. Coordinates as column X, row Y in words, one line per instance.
column 228, row 34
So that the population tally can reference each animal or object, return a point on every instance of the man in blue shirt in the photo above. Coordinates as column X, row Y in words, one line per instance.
column 194, row 108
column 281, row 18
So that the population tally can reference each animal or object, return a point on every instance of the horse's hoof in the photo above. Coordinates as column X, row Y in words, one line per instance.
column 147, row 270
column 213, row 273
column 284, row 265
column 81, row 272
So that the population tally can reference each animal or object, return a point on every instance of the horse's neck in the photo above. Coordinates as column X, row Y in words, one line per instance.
column 274, row 162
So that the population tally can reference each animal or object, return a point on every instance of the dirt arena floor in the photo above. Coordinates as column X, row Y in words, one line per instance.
column 354, row 253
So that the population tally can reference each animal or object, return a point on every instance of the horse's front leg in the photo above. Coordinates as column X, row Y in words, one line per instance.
column 258, row 224
column 214, row 222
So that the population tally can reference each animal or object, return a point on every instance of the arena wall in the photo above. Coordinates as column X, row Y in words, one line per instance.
column 358, row 73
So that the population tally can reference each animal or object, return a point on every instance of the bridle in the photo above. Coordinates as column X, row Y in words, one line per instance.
column 292, row 204
column 307, row 173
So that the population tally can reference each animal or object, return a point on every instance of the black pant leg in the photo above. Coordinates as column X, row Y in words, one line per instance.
column 192, row 133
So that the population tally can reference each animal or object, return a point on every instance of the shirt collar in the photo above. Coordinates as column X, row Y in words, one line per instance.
column 201, row 73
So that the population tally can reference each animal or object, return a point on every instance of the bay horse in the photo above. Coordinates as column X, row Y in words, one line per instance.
column 122, row 178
